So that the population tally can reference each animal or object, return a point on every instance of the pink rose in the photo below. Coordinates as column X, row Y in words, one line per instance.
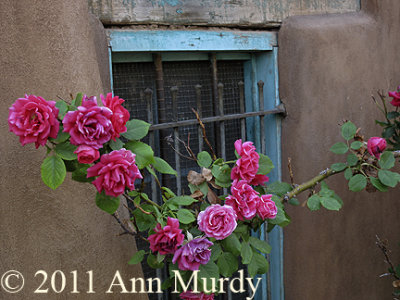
column 116, row 172
column 266, row 208
column 87, row 154
column 120, row 114
column 90, row 125
column 396, row 97
column 193, row 254
column 217, row 221
column 189, row 295
column 166, row 240
column 34, row 120
column 259, row 179
column 376, row 146
column 244, row 200
column 247, row 165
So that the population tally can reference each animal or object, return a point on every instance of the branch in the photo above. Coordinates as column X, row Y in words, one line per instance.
column 383, row 246
column 203, row 129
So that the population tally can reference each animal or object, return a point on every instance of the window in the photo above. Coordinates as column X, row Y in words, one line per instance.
column 163, row 74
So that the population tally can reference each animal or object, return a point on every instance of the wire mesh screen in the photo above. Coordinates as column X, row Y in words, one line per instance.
column 189, row 77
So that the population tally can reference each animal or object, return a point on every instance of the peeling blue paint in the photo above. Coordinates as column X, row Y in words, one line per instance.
column 169, row 2
column 129, row 2
column 179, row 11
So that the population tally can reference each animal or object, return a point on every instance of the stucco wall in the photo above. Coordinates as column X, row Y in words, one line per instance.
column 329, row 68
column 53, row 48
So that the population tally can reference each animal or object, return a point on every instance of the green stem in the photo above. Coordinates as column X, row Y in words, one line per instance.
column 309, row 184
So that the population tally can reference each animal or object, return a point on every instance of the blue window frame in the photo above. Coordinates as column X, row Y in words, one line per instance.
column 258, row 51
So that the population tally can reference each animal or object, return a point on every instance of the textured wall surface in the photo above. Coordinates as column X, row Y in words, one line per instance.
column 329, row 68
column 262, row 13
column 53, row 48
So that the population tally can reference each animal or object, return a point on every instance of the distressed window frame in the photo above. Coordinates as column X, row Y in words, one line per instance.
column 260, row 50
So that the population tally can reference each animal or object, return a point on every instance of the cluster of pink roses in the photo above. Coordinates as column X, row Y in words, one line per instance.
column 247, row 202
column 190, row 256
column 35, row 120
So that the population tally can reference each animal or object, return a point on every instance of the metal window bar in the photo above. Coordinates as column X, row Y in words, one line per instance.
column 220, row 118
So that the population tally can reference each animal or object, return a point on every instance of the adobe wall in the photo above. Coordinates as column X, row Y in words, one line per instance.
column 53, row 48
column 329, row 67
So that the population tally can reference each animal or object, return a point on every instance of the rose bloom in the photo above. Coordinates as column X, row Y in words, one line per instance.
column 189, row 295
column 90, row 125
column 192, row 254
column 166, row 240
column 87, row 154
column 34, row 120
column 217, row 221
column 247, row 165
column 266, row 208
column 120, row 114
column 244, row 200
column 116, row 172
column 376, row 146
column 396, row 97
column 259, row 179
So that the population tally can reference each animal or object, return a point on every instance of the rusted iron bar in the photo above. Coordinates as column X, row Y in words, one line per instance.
column 214, row 73
column 280, row 109
column 260, row 85
column 174, row 95
column 242, row 110
column 148, row 94
column 199, row 108
column 221, row 123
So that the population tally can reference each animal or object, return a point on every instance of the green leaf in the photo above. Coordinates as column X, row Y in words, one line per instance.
column 352, row 159
column 232, row 244
column 388, row 132
column 144, row 221
column 339, row 148
column 80, row 174
column 61, row 137
column 167, row 283
column 181, row 200
column 393, row 115
column 136, row 129
column 279, row 188
column 260, row 245
column 294, row 201
column 222, row 173
column 314, row 202
column 62, row 108
column 209, row 270
column 348, row 130
column 387, row 160
column 265, row 164
column 78, row 100
column 137, row 257
column 107, row 203
column 357, row 183
column 330, row 203
column 378, row 184
column 53, row 171
column 356, row 145
column 388, row 178
column 338, row 167
column 144, row 153
column 185, row 216
column 348, row 174
column 204, row 159
column 258, row 265
column 246, row 253
column 163, row 167
column 215, row 252
column 227, row 264
column 117, row 144
column 153, row 263
column 66, row 151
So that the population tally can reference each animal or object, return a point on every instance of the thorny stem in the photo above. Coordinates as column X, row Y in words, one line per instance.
column 314, row 181
column 126, row 230
column 203, row 129
column 145, row 199
column 382, row 245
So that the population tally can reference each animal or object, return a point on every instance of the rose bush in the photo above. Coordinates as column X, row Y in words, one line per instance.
column 99, row 144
